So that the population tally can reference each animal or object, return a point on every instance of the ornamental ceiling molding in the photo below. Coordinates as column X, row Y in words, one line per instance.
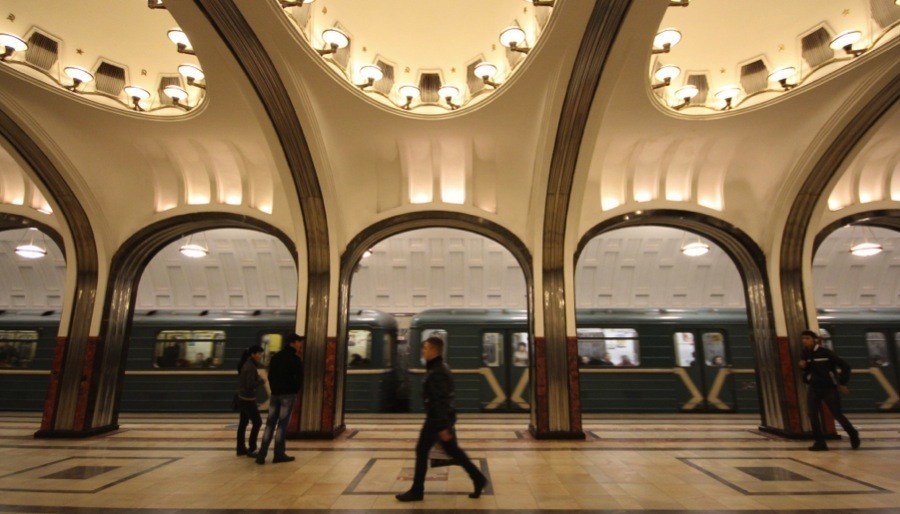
column 417, row 88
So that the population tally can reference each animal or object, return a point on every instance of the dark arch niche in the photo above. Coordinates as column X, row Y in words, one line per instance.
column 64, row 409
column 125, row 272
column 751, row 264
column 405, row 223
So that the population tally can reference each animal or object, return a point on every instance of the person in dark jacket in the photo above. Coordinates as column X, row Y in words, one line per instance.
column 248, row 380
column 437, row 393
column 825, row 384
column 285, row 380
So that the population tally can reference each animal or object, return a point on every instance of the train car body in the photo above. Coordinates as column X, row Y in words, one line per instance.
column 27, row 343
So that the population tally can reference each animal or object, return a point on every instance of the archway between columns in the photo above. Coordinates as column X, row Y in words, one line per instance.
column 885, row 218
column 405, row 223
column 126, row 269
column 751, row 264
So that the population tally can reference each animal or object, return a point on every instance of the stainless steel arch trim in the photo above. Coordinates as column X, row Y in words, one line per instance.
column 127, row 266
column 405, row 223
column 227, row 20
column 799, row 218
column 600, row 33
column 60, row 411
column 751, row 263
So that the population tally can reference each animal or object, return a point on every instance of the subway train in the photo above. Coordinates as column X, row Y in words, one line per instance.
column 653, row 360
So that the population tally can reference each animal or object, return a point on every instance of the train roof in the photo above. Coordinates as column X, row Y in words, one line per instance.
column 470, row 316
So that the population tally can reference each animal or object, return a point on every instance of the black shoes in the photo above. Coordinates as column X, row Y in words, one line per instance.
column 854, row 440
column 479, row 484
column 410, row 496
column 818, row 447
column 283, row 458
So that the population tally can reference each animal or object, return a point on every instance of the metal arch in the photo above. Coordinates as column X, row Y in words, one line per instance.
column 249, row 52
column 9, row 221
column 127, row 266
column 61, row 406
column 884, row 218
column 797, row 223
column 559, row 414
column 405, row 223
column 751, row 263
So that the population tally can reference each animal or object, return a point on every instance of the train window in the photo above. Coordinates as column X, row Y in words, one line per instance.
column 520, row 354
column 359, row 348
column 825, row 337
column 685, row 349
column 189, row 349
column 608, row 347
column 877, row 344
column 387, row 347
column 271, row 344
column 17, row 348
column 492, row 349
column 714, row 349
column 440, row 334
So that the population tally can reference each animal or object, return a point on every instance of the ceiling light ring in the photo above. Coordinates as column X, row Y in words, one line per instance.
column 31, row 250
column 11, row 43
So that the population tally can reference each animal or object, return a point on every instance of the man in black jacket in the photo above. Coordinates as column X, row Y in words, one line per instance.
column 285, row 379
column 820, row 372
column 437, row 393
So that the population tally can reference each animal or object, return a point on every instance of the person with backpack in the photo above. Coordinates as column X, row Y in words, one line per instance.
column 826, row 376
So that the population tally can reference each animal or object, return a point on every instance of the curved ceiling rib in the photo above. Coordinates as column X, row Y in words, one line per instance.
column 559, row 410
column 228, row 21
column 65, row 396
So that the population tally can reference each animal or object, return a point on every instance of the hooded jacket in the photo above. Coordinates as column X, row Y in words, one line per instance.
column 822, row 368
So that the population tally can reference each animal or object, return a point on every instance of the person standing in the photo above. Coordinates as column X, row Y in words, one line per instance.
column 440, row 416
column 248, row 381
column 825, row 384
column 285, row 380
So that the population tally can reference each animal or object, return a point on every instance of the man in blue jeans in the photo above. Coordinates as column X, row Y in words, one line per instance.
column 285, row 379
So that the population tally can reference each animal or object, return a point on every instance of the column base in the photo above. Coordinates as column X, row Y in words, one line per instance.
column 74, row 434
column 317, row 435
column 573, row 435
column 787, row 434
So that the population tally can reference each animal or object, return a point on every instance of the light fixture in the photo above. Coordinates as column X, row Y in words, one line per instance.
column 410, row 93
column 193, row 250
column 367, row 254
column 335, row 39
column 193, row 75
column 695, row 249
column 486, row 71
column 866, row 248
column 78, row 75
column 136, row 94
column 11, row 44
column 781, row 75
column 541, row 3
column 156, row 4
column 685, row 94
column 448, row 93
column 665, row 40
column 177, row 94
column 846, row 40
column 514, row 39
column 727, row 94
column 666, row 74
column 31, row 250
column 371, row 74
column 181, row 41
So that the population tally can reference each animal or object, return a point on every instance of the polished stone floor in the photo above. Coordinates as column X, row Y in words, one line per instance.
column 186, row 463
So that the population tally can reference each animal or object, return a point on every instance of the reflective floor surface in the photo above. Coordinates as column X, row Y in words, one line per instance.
column 187, row 463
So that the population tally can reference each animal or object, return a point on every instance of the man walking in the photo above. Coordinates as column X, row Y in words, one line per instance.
column 820, row 371
column 285, row 379
column 437, row 393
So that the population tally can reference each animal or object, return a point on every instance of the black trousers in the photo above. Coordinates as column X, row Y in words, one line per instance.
column 249, row 414
column 427, row 439
column 831, row 398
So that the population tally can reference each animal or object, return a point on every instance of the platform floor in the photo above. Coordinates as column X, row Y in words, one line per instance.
column 186, row 463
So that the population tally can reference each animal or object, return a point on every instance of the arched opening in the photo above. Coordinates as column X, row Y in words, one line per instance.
column 467, row 274
column 662, row 325
column 33, row 265
column 858, row 305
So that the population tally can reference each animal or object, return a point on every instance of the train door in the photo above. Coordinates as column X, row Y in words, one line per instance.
column 506, row 357
column 701, row 360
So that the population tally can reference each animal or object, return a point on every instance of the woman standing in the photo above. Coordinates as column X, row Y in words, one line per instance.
column 248, row 381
